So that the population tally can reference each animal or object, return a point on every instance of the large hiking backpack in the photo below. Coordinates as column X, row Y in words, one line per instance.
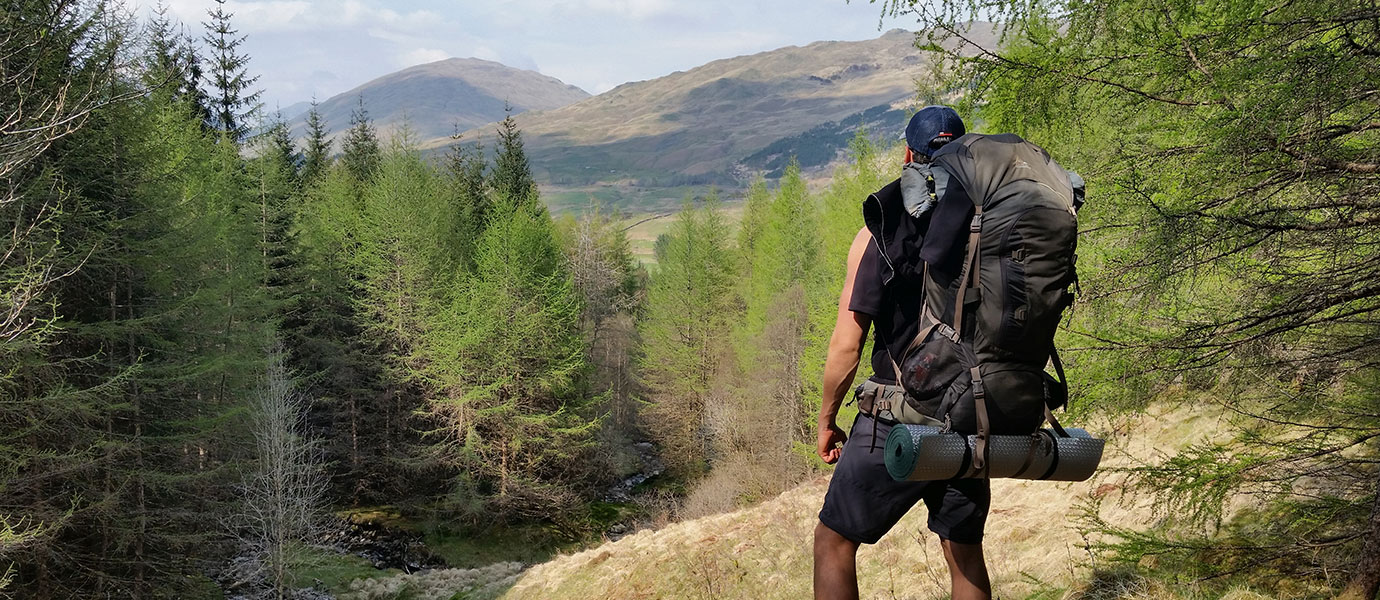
column 987, row 331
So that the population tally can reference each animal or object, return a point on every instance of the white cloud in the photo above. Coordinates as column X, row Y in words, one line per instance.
column 634, row 9
column 267, row 16
column 272, row 16
column 486, row 53
column 420, row 56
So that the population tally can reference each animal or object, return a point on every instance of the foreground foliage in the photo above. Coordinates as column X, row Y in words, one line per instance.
column 1231, row 245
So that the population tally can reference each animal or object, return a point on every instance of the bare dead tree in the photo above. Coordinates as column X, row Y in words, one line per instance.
column 284, row 494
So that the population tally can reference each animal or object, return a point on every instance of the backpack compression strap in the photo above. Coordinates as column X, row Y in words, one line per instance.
column 970, row 271
column 1058, row 370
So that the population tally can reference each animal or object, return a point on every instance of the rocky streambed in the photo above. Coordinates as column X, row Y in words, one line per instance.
column 423, row 575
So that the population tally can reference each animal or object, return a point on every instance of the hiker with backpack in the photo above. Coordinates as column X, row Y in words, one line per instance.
column 961, row 272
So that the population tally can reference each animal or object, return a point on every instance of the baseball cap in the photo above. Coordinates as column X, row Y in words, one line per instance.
column 929, row 125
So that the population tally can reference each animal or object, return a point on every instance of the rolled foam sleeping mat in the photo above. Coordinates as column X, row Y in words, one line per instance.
column 922, row 453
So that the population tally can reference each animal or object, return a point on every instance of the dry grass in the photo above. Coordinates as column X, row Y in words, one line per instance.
column 765, row 551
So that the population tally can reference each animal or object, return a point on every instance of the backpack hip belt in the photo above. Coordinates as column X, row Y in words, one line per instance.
column 888, row 403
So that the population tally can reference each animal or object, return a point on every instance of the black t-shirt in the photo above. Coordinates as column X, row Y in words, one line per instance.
column 894, row 309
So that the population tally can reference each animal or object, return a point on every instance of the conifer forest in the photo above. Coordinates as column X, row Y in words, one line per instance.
column 220, row 344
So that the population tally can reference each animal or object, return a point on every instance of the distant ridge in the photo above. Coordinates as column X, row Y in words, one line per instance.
column 435, row 98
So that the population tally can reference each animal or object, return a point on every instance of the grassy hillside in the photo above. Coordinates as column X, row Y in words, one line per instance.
column 435, row 98
column 1034, row 548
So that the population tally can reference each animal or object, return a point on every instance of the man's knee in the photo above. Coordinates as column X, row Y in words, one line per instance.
column 962, row 554
column 829, row 541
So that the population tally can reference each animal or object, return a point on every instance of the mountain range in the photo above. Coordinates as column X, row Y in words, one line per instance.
column 699, row 126
column 721, row 123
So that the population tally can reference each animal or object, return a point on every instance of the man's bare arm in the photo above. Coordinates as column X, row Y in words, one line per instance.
column 841, row 362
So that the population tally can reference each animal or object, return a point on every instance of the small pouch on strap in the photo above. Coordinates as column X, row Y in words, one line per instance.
column 932, row 365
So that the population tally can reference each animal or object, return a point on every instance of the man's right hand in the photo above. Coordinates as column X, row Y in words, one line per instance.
column 829, row 444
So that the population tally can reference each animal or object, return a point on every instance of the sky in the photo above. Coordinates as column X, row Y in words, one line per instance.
column 305, row 48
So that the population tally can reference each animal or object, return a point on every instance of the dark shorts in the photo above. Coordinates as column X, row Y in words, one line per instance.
column 864, row 502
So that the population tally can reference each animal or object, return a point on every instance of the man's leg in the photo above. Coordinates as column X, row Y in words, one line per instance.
column 836, row 565
column 967, row 570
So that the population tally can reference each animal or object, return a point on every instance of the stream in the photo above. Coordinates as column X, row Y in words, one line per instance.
column 392, row 548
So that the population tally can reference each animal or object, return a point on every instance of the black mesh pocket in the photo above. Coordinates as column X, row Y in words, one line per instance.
column 928, row 371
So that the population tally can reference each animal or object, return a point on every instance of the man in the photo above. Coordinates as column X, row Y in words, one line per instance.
column 883, row 288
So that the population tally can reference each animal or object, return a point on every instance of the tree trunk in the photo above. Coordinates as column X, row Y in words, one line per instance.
column 1365, row 579
column 355, row 471
column 141, row 508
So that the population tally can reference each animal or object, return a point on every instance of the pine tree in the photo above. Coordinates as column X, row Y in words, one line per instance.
column 316, row 158
column 233, row 103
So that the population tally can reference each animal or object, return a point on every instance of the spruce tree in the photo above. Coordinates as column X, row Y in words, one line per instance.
column 172, row 64
column 278, row 195
column 512, row 174
column 233, row 102
column 360, row 153
column 470, row 191
column 316, row 157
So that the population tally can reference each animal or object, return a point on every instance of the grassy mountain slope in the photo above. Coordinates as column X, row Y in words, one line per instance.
column 697, row 126
column 436, row 97
column 764, row 551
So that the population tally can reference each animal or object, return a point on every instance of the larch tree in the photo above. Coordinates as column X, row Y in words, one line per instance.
column 690, row 311
column 610, row 286
column 326, row 342
column 510, row 356
column 55, row 81
column 787, row 278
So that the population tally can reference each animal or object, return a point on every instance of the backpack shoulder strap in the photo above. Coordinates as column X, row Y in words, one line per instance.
column 970, row 267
